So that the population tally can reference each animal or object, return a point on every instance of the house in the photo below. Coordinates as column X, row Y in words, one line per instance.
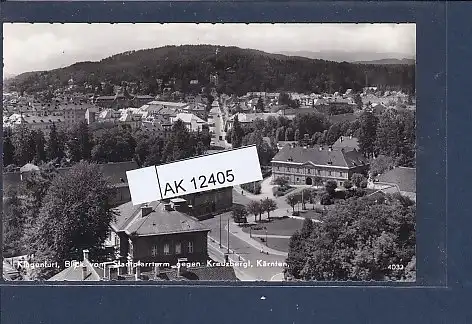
column 27, row 170
column 85, row 270
column 301, row 165
column 398, row 180
column 159, row 232
column 192, row 122
column 42, row 122
column 244, row 118
column 347, row 143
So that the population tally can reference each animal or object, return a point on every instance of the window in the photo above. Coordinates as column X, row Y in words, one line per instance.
column 288, row 169
column 340, row 174
column 166, row 248
column 319, row 172
column 154, row 250
column 329, row 173
column 298, row 179
column 178, row 248
column 278, row 168
column 308, row 171
column 190, row 247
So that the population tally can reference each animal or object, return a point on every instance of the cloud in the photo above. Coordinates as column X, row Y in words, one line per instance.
column 29, row 47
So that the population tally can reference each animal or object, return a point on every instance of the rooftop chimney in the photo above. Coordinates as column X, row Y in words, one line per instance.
column 330, row 149
column 350, row 136
column 84, row 271
column 146, row 210
column 321, row 148
column 181, row 266
column 138, row 272
column 341, row 139
column 86, row 254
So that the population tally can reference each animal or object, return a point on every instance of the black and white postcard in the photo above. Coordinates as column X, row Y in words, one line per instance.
column 329, row 108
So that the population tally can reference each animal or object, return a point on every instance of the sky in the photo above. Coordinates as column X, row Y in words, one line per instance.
column 33, row 47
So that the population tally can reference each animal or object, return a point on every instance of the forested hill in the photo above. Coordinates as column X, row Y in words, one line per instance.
column 239, row 70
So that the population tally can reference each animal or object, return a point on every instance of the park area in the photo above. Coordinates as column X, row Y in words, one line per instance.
column 283, row 226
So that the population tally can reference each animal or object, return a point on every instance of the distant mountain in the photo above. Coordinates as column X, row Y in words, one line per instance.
column 239, row 71
column 404, row 61
column 344, row 56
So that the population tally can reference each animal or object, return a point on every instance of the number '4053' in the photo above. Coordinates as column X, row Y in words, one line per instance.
column 203, row 181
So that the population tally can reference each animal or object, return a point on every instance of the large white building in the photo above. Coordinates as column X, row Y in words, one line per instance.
column 192, row 122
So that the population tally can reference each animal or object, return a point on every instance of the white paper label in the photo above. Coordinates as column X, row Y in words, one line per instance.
column 208, row 172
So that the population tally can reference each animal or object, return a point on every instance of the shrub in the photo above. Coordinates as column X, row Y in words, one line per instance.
column 252, row 187
column 281, row 182
column 363, row 184
column 347, row 184
column 326, row 199
column 331, row 187
column 357, row 179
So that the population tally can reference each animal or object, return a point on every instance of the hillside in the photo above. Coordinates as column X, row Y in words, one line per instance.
column 389, row 62
column 239, row 70
column 347, row 56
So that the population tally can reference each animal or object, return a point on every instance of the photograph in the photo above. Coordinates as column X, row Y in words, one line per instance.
column 266, row 152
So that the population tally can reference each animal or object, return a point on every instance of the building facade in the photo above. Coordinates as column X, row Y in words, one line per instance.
column 307, row 166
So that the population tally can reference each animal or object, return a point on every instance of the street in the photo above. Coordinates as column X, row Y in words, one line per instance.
column 261, row 266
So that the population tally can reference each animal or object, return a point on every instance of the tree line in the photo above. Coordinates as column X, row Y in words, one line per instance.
column 239, row 71
column 390, row 136
column 102, row 144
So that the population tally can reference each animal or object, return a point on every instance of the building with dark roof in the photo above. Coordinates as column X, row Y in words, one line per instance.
column 301, row 165
column 399, row 179
column 157, row 232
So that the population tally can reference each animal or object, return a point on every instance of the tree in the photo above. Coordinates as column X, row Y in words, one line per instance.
column 39, row 145
column 292, row 200
column 358, row 240
column 268, row 205
column 54, row 147
column 181, row 144
column 254, row 208
column 113, row 145
column 23, row 142
column 85, row 141
column 296, row 256
column 237, row 133
column 280, row 181
column 307, row 228
column 239, row 214
column 326, row 199
column 260, row 105
column 363, row 184
column 330, row 187
column 75, row 215
column 289, row 134
column 381, row 164
column 368, row 133
column 347, row 184
column 358, row 101
column 8, row 149
column 297, row 135
column 357, row 179
column 14, row 218
column 317, row 181
column 280, row 134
